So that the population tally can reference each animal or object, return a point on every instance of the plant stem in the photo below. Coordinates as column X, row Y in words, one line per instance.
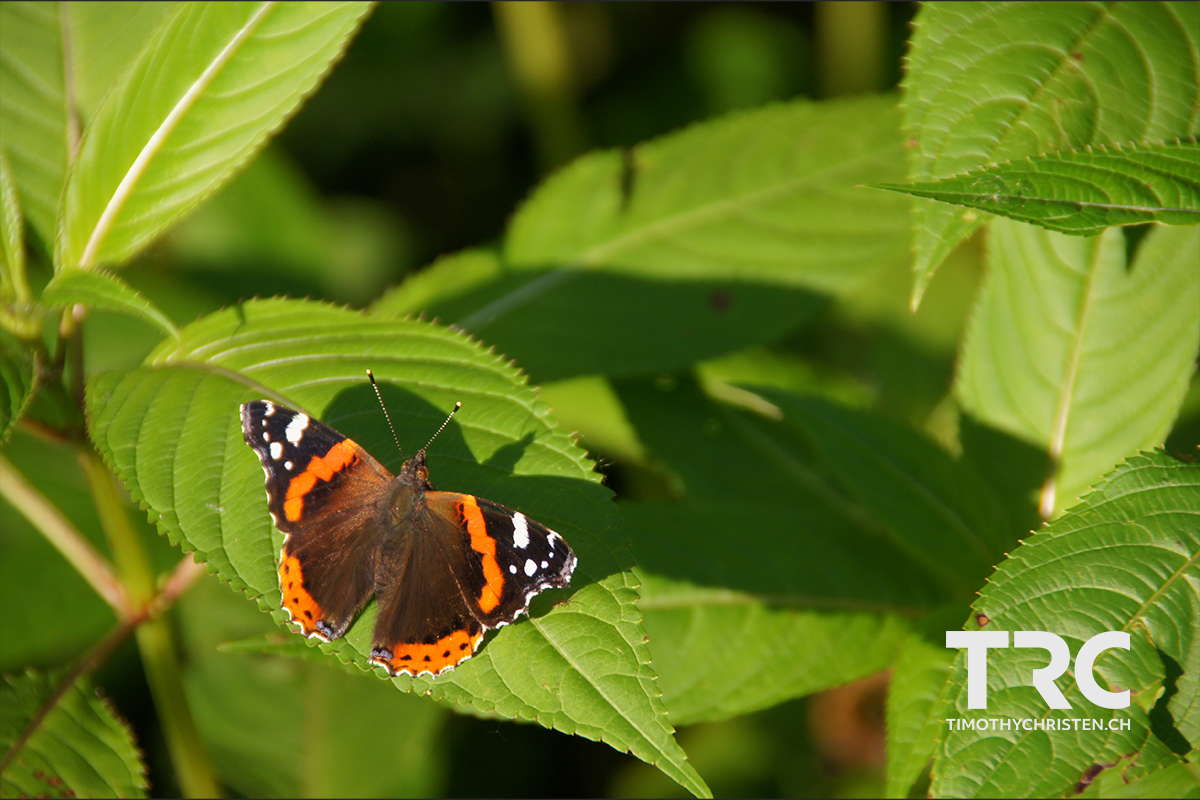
column 159, row 657
column 59, row 531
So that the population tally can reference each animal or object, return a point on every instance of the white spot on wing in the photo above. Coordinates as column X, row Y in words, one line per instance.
column 270, row 412
column 520, row 531
column 530, row 567
column 266, row 436
column 295, row 428
column 512, row 568
column 288, row 465
column 552, row 537
column 276, row 450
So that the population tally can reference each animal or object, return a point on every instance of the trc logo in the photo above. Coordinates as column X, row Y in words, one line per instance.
column 977, row 644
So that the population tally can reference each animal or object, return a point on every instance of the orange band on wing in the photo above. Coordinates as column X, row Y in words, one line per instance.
column 433, row 658
column 305, row 611
column 340, row 456
column 485, row 545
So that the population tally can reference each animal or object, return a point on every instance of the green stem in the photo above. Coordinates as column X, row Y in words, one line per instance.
column 193, row 768
column 65, row 537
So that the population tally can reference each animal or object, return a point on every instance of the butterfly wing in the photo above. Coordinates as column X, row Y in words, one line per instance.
column 324, row 493
column 479, row 564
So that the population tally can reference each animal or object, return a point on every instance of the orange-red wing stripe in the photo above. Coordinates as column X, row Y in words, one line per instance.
column 305, row 610
column 483, row 544
column 340, row 456
column 436, row 658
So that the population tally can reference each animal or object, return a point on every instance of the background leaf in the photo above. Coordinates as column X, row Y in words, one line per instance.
column 1082, row 192
column 204, row 93
column 763, row 558
column 80, row 748
column 581, row 668
column 775, row 203
column 1123, row 559
column 992, row 82
column 33, row 107
column 560, row 323
column 1077, row 354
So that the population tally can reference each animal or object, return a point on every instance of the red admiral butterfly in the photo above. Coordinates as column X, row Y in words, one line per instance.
column 444, row 566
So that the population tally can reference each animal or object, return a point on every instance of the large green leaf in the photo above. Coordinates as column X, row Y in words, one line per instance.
column 1075, row 353
column 1124, row 559
column 763, row 560
column 761, row 196
column 77, row 746
column 585, row 322
column 748, row 605
column 33, row 106
column 991, row 82
column 1081, row 192
column 171, row 430
column 212, row 82
column 937, row 510
column 104, row 38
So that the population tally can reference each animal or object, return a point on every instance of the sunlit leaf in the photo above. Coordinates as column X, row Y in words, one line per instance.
column 1077, row 354
column 33, row 107
column 1081, row 192
column 210, row 85
column 993, row 82
column 1124, row 559
column 763, row 196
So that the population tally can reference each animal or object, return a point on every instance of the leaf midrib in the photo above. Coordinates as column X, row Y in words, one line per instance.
column 156, row 141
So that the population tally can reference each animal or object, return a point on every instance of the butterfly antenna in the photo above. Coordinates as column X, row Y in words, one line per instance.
column 386, row 416
column 457, row 406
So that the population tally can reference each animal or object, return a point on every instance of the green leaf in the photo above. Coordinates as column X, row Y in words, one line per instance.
column 18, row 375
column 101, row 290
column 588, row 322
column 1081, row 192
column 104, row 38
column 33, row 107
column 749, row 605
column 936, row 510
column 12, row 239
column 762, row 196
column 916, row 707
column 763, row 560
column 1073, row 352
column 993, row 82
column 1124, row 559
column 1179, row 779
column 171, row 431
column 77, row 746
column 201, row 98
